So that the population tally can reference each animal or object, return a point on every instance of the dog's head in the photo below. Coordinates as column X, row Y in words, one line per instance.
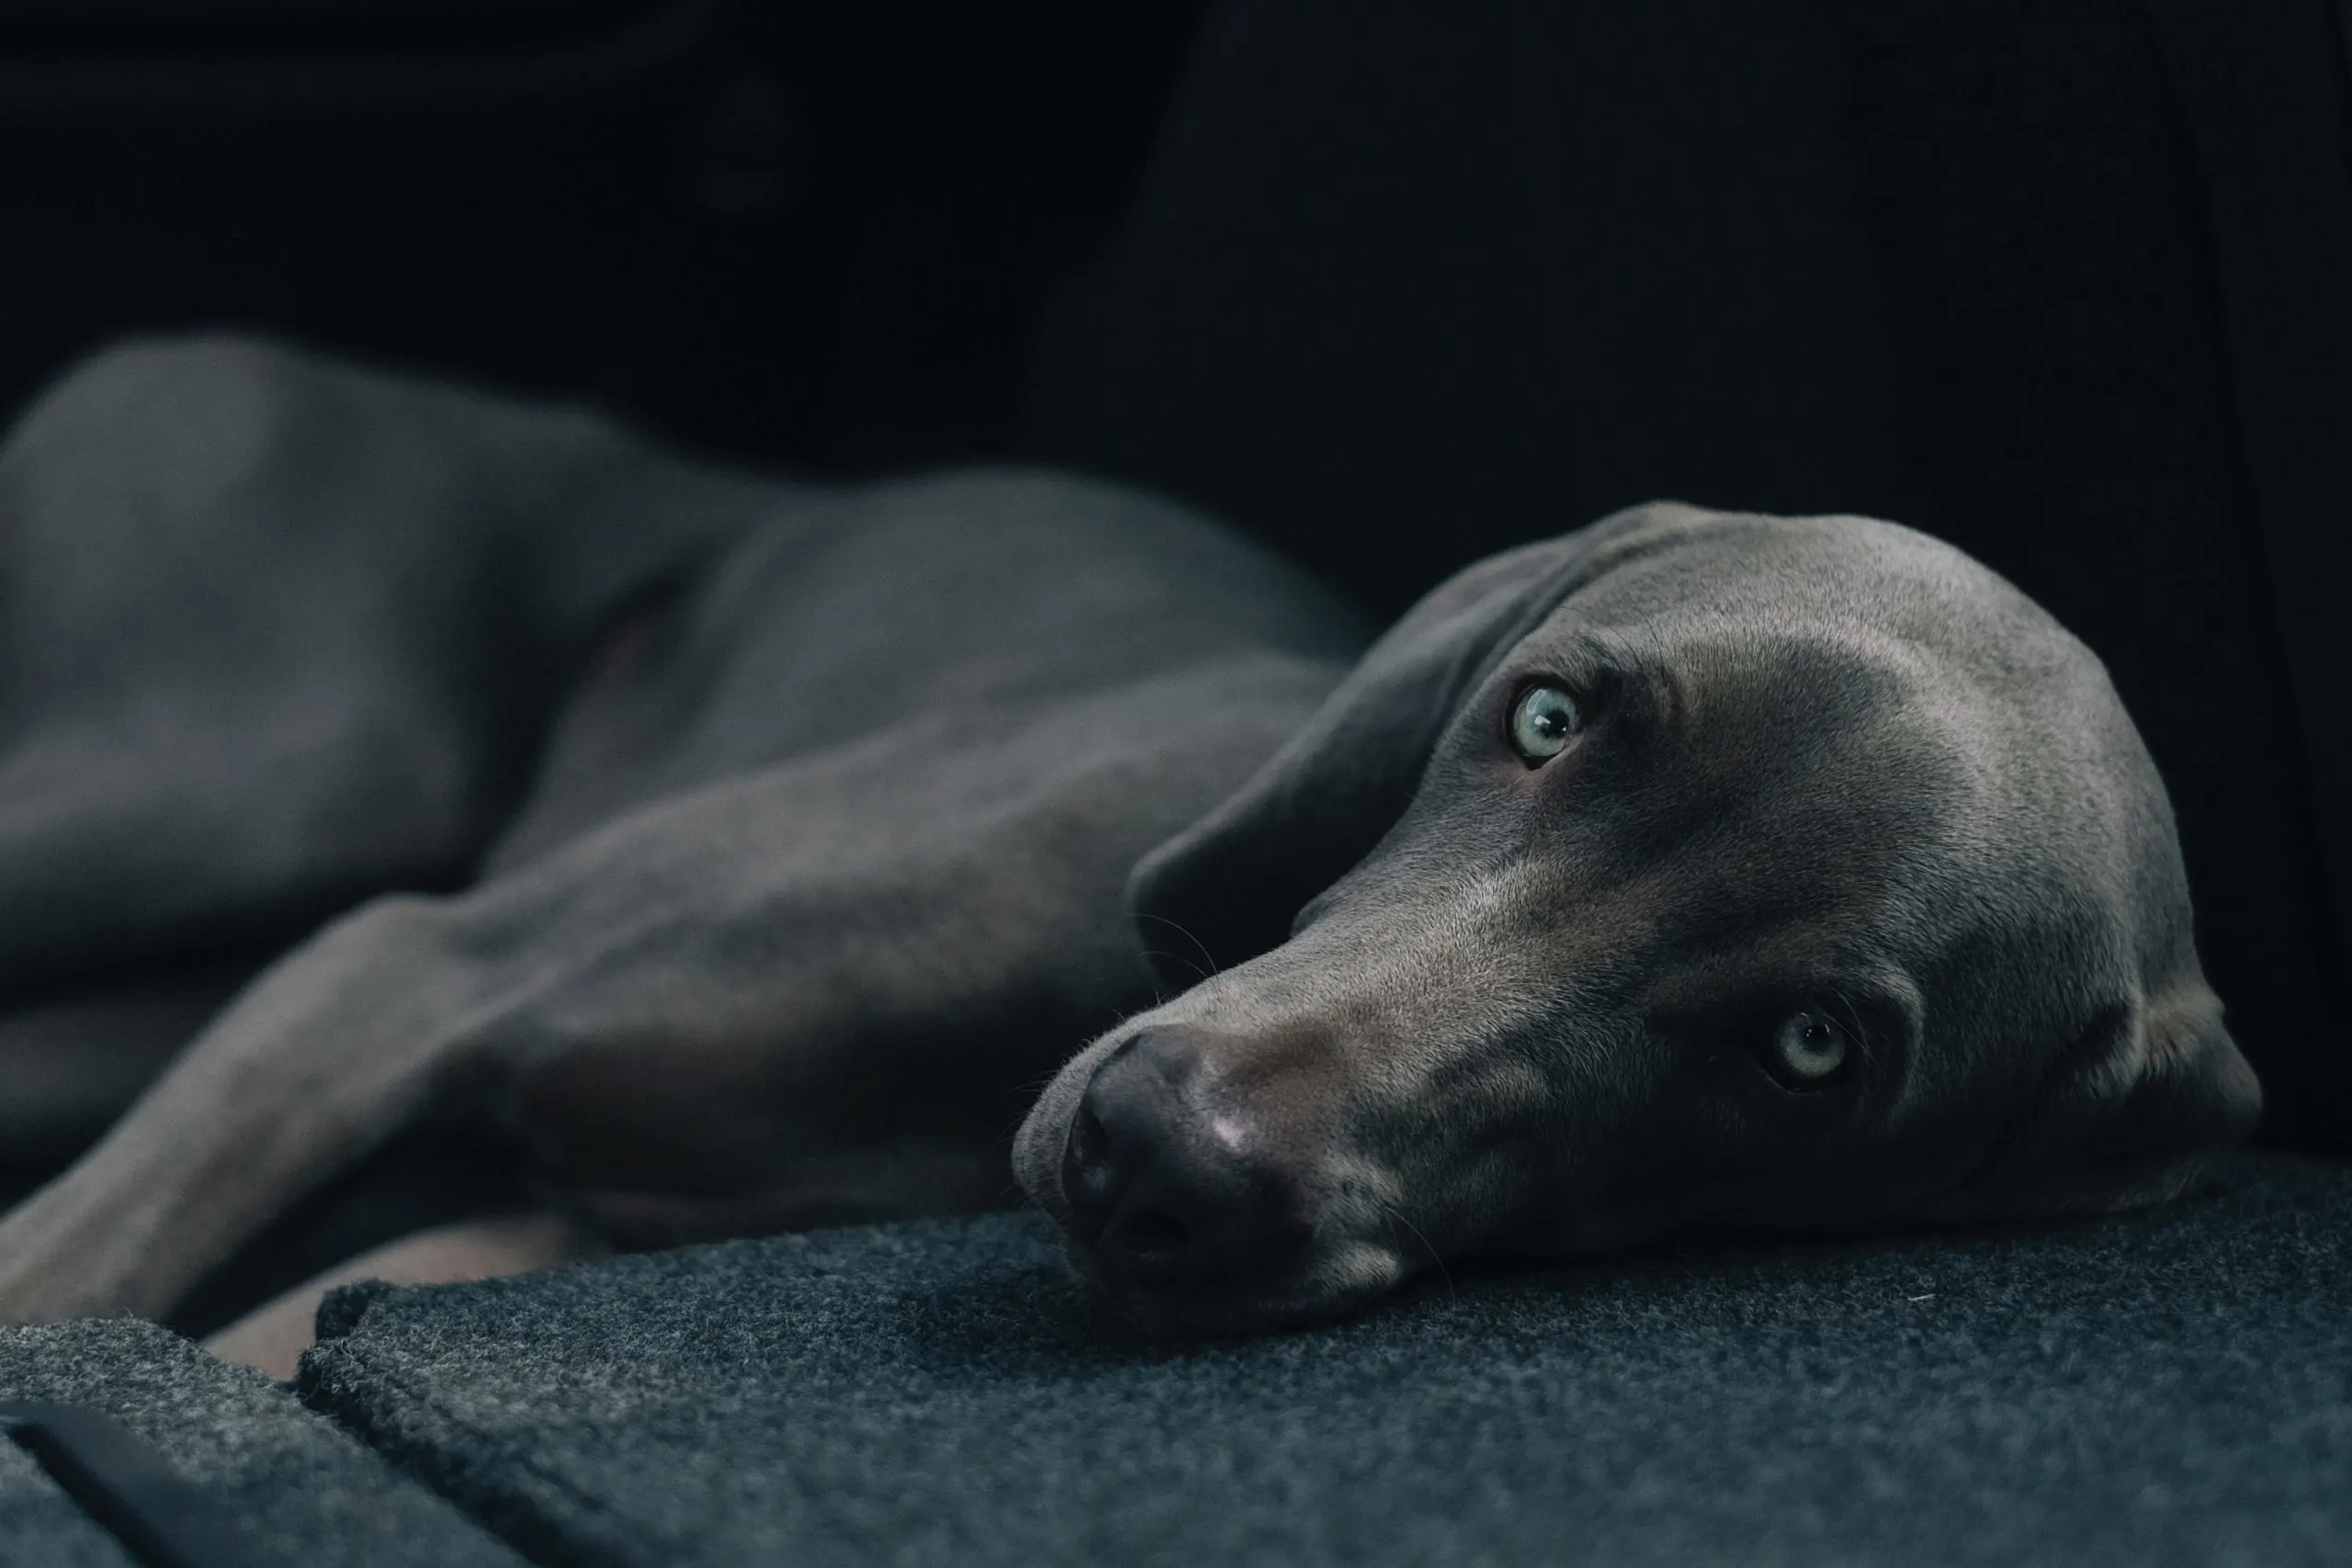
column 1692, row 871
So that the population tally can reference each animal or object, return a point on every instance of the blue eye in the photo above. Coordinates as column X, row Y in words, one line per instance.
column 1545, row 719
column 1809, row 1048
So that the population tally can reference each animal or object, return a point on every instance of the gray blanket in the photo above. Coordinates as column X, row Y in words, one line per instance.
column 2171, row 1387
column 305, row 1492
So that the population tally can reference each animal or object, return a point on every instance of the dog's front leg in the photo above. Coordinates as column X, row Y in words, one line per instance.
column 316, row 1065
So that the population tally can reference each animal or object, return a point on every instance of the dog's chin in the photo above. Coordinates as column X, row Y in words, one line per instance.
column 1337, row 1278
column 1331, row 1289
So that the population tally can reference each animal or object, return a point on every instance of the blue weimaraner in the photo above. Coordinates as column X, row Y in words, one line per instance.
column 750, row 854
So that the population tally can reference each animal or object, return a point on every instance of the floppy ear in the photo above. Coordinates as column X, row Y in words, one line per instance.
column 2134, row 1112
column 1228, row 888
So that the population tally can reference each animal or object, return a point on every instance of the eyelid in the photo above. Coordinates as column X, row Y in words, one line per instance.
column 1597, row 686
column 1722, row 1015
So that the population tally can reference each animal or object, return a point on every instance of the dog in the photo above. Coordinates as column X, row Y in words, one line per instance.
column 749, row 853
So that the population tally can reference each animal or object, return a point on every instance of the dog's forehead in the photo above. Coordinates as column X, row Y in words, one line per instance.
column 1849, row 572
column 1749, row 600
column 1840, row 671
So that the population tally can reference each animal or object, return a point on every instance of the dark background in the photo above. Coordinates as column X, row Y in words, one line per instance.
column 805, row 234
column 1390, row 285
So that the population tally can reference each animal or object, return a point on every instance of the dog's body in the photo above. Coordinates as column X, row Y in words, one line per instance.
column 823, row 863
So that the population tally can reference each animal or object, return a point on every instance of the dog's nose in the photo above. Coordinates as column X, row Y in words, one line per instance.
column 1164, row 1186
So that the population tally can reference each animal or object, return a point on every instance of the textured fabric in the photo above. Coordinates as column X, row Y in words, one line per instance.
column 2166, row 1387
column 308, row 1494
column 40, row 1527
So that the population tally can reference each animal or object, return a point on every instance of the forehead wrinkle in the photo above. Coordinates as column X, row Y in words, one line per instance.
column 1689, row 668
column 1832, row 599
column 1906, row 765
column 1804, row 568
column 1914, row 823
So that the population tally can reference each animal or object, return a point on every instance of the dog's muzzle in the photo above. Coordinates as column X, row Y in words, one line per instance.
column 1169, row 1185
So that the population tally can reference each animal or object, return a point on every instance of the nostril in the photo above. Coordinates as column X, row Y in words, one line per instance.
column 1091, row 1177
column 1165, row 1182
column 1090, row 1142
column 1122, row 1121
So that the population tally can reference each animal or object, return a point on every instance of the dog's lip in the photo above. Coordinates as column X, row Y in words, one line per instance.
column 1217, row 1312
column 1295, row 1298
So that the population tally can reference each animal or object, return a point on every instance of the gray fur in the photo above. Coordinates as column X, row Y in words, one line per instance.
column 821, row 872
column 790, row 833
column 1834, row 763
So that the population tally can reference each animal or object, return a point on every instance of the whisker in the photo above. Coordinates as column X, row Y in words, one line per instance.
column 1036, row 1086
column 1188, row 936
column 1030, row 1088
column 1444, row 1273
column 1176, row 957
column 1853, row 1021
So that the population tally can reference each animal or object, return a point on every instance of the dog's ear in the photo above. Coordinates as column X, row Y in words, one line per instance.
column 2132, row 1113
column 1228, row 888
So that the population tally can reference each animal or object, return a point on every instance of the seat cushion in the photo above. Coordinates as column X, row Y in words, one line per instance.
column 304, row 1492
column 2171, row 1386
